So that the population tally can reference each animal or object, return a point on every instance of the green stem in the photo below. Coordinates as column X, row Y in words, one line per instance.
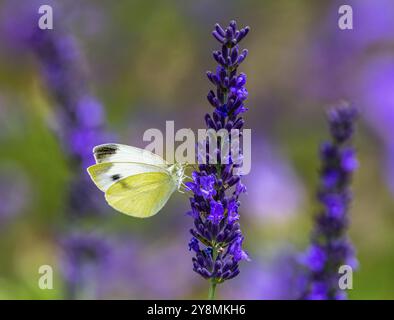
column 213, row 283
column 212, row 290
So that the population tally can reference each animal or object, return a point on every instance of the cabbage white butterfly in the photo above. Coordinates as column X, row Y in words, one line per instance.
column 136, row 182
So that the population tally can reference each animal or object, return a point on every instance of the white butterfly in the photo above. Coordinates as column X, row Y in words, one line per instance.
column 136, row 182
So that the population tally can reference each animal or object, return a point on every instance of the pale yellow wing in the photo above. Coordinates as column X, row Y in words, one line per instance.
column 104, row 175
column 141, row 195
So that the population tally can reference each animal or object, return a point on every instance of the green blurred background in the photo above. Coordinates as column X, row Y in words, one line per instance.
column 147, row 63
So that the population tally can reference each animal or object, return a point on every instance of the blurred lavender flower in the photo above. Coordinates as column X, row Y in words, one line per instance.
column 80, row 125
column 15, row 193
column 337, row 54
column 86, row 258
column 107, row 267
column 272, row 178
column 143, row 280
column 216, row 188
column 357, row 65
column 19, row 20
column 375, row 91
column 80, row 116
column 330, row 247
column 269, row 278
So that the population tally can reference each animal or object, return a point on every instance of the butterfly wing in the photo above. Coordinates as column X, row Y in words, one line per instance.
column 141, row 195
column 112, row 152
column 104, row 175
column 136, row 182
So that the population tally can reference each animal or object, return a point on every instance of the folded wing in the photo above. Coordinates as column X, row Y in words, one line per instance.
column 104, row 175
column 141, row 195
column 112, row 152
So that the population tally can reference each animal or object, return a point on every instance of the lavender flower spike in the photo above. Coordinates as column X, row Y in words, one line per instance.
column 330, row 247
column 217, row 238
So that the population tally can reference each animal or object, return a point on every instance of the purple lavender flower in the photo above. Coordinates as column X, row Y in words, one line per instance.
column 217, row 238
column 79, row 126
column 80, row 115
column 358, row 65
column 86, row 259
column 330, row 247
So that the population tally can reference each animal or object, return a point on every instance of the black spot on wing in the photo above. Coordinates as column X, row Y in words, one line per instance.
column 104, row 151
column 115, row 177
